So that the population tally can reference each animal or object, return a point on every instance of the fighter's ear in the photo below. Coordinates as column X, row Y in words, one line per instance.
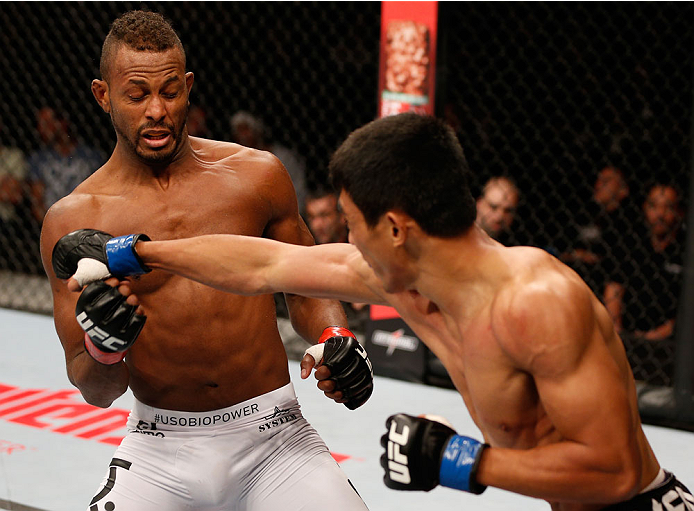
column 190, row 78
column 398, row 226
column 101, row 93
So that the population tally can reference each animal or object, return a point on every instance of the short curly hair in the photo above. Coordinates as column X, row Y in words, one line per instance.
column 139, row 30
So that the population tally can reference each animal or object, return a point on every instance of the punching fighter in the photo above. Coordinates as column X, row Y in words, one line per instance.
column 208, row 369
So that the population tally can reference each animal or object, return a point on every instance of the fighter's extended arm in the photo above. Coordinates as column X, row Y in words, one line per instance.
column 248, row 265
column 251, row 266
column 552, row 331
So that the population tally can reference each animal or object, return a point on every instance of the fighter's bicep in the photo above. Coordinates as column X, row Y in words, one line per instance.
column 323, row 271
column 588, row 407
column 68, row 214
column 290, row 228
column 51, row 229
column 284, row 223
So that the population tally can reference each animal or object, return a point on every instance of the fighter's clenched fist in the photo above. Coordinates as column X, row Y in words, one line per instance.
column 111, row 325
column 77, row 254
column 421, row 453
column 350, row 368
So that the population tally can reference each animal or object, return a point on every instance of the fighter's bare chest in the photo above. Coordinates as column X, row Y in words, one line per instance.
column 502, row 399
column 184, row 214
column 504, row 404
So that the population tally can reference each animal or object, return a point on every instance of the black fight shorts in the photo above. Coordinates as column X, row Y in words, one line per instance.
column 672, row 495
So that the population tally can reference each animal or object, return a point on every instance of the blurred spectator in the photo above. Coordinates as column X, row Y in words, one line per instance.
column 598, row 235
column 250, row 131
column 13, row 173
column 325, row 220
column 643, row 299
column 327, row 224
column 19, row 241
column 197, row 122
column 496, row 209
column 61, row 164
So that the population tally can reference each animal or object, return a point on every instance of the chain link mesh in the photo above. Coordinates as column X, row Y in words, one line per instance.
column 551, row 94
column 309, row 71
column 545, row 93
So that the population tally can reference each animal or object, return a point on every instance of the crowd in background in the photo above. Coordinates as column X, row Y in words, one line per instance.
column 629, row 250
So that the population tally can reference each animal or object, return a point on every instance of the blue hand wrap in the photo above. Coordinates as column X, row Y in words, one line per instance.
column 459, row 464
column 122, row 258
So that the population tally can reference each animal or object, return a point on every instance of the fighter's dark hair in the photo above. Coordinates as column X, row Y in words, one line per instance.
column 141, row 31
column 411, row 163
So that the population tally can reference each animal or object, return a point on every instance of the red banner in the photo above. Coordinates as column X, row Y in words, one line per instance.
column 408, row 57
column 377, row 312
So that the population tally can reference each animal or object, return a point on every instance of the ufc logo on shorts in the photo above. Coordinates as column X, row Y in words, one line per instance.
column 397, row 461
column 94, row 332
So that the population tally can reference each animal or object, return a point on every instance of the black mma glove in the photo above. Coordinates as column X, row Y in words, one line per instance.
column 421, row 453
column 117, row 254
column 110, row 324
column 348, row 362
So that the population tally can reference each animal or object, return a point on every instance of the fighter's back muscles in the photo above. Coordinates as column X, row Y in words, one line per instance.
column 250, row 266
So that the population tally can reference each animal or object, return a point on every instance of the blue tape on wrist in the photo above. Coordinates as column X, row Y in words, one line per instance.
column 121, row 257
column 459, row 464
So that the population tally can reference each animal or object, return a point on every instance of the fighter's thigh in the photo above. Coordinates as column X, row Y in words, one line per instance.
column 312, row 486
column 142, row 476
column 125, row 488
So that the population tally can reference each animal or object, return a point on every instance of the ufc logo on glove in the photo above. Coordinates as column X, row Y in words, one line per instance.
column 397, row 461
column 96, row 333
column 423, row 452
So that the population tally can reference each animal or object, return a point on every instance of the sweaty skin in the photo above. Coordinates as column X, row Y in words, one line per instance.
column 201, row 349
column 531, row 350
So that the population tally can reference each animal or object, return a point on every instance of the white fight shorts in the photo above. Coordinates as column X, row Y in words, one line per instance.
column 257, row 455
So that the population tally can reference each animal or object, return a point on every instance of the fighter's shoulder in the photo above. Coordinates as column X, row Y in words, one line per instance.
column 64, row 216
column 72, row 209
column 231, row 156
column 539, row 279
column 540, row 304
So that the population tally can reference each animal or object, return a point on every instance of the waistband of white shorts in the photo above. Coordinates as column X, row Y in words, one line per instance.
column 273, row 403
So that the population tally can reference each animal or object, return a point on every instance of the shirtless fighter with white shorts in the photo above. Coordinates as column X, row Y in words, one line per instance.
column 216, row 424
